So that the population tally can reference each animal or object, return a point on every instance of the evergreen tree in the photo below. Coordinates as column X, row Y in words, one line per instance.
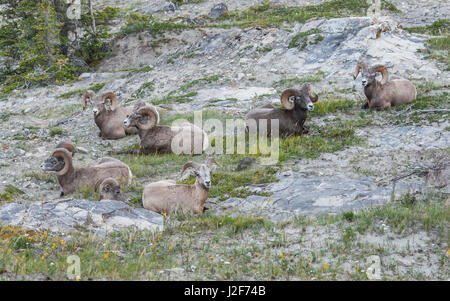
column 35, row 38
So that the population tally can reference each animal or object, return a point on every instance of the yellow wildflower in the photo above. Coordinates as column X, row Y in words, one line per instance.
column 107, row 254
column 53, row 246
column 325, row 265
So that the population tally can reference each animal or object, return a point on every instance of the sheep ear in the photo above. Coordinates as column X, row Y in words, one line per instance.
column 212, row 164
column 87, row 97
column 359, row 66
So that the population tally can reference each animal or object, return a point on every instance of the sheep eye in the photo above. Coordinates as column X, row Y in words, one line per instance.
column 292, row 98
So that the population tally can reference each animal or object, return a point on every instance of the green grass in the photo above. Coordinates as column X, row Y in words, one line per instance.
column 4, row 116
column 439, row 44
column 56, row 131
column 64, row 111
column 406, row 214
column 41, row 177
column 324, row 107
column 79, row 92
column 137, row 23
column 297, row 82
column 423, row 102
column 10, row 192
column 439, row 27
column 439, row 49
column 322, row 139
column 208, row 221
column 205, row 80
column 268, row 15
column 211, row 247
column 301, row 37
column 183, row 98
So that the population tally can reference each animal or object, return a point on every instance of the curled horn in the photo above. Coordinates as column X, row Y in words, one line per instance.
column 359, row 66
column 108, row 181
column 66, row 155
column 285, row 98
column 67, row 145
column 89, row 94
column 189, row 164
column 152, row 114
column 307, row 89
column 383, row 70
column 113, row 99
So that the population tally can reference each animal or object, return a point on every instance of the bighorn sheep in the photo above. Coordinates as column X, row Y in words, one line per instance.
column 186, row 139
column 387, row 93
column 71, row 179
column 291, row 118
column 166, row 196
column 110, row 190
column 107, row 116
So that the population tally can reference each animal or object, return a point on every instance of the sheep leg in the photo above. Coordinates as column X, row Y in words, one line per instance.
column 365, row 106
column 305, row 130
column 61, row 194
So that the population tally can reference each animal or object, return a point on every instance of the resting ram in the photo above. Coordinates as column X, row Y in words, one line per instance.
column 167, row 196
column 184, row 139
column 72, row 179
column 291, row 118
column 108, row 116
column 384, row 94
column 110, row 190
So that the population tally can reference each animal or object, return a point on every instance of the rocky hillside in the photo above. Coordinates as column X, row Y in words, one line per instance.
column 359, row 183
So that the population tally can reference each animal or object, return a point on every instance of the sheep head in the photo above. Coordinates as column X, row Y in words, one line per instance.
column 59, row 162
column 143, row 117
column 300, row 99
column 110, row 190
column 202, row 171
column 100, row 103
column 369, row 74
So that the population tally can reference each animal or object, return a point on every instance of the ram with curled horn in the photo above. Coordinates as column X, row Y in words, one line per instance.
column 110, row 189
column 72, row 179
column 291, row 118
column 167, row 196
column 385, row 93
column 108, row 116
column 184, row 139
